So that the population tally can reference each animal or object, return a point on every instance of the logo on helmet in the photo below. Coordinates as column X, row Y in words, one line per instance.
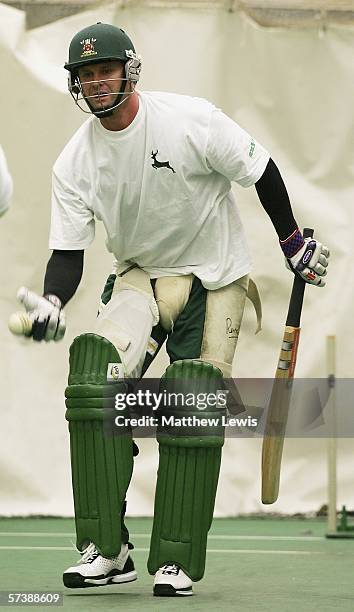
column 88, row 48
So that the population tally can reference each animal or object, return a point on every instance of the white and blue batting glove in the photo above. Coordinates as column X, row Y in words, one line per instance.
column 306, row 257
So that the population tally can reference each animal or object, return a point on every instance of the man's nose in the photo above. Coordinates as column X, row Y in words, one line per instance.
column 96, row 82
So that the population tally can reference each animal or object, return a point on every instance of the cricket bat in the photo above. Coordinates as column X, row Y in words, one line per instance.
column 278, row 409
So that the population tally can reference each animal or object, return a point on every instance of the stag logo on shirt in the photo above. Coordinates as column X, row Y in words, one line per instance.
column 160, row 164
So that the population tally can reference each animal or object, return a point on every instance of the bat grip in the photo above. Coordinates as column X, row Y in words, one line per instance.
column 297, row 294
column 308, row 232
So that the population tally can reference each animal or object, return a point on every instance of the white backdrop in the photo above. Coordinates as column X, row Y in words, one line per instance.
column 293, row 90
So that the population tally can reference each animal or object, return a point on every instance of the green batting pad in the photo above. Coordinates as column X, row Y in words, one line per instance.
column 101, row 456
column 188, row 470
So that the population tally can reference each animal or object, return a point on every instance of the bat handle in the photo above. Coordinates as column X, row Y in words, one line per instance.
column 308, row 232
column 297, row 294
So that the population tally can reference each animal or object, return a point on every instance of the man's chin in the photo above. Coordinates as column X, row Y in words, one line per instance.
column 101, row 103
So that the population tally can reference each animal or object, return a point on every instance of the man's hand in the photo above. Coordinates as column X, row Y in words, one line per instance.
column 306, row 257
column 48, row 319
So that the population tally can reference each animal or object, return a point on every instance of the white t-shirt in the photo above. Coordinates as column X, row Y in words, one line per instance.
column 5, row 184
column 178, row 218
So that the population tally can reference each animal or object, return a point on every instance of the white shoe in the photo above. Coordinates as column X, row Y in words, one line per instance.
column 94, row 570
column 171, row 581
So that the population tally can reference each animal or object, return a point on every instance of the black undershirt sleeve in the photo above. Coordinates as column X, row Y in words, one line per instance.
column 275, row 201
column 63, row 274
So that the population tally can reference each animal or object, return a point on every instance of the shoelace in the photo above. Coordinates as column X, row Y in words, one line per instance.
column 171, row 569
column 89, row 554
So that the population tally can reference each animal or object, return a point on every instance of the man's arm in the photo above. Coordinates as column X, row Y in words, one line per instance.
column 46, row 320
column 307, row 257
column 6, row 184
column 275, row 201
column 234, row 153
column 63, row 274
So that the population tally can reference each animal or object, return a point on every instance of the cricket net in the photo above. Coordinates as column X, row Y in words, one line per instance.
column 267, row 13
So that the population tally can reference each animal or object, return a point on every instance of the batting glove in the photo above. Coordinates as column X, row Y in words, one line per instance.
column 306, row 257
column 48, row 319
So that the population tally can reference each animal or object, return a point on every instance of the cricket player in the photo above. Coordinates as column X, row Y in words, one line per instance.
column 6, row 185
column 156, row 168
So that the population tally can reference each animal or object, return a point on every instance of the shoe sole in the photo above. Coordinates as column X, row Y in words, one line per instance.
column 77, row 581
column 167, row 590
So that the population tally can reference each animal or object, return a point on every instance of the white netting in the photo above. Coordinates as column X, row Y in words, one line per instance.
column 268, row 13
column 298, row 13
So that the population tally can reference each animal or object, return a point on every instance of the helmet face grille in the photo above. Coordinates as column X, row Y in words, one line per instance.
column 84, row 102
column 98, row 43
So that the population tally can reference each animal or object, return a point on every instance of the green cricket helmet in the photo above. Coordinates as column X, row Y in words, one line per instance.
column 101, row 42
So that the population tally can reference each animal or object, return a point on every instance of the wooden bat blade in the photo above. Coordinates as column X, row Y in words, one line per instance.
column 278, row 409
column 271, row 461
column 277, row 416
